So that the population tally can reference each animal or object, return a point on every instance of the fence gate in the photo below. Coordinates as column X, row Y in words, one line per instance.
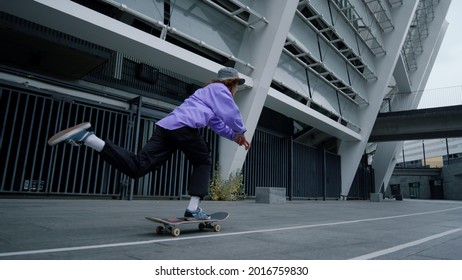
column 30, row 166
column 305, row 172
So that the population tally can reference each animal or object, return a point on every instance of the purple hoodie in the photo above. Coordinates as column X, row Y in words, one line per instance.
column 211, row 106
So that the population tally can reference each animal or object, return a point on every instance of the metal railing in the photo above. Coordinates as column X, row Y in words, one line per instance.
column 430, row 98
column 413, row 45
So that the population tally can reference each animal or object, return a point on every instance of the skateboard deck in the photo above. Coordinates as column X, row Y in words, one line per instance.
column 171, row 224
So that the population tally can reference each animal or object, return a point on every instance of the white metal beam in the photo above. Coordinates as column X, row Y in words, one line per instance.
column 291, row 108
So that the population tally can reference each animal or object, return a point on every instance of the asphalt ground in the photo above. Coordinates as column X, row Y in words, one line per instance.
column 79, row 229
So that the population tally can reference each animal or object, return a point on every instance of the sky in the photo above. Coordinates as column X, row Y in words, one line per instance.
column 446, row 74
column 447, row 69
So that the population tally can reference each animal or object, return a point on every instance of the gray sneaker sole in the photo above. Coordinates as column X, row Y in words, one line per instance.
column 63, row 135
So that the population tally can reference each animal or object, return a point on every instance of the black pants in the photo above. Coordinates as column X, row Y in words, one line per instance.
column 158, row 150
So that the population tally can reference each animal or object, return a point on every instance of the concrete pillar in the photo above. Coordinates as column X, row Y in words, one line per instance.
column 351, row 152
column 262, row 48
column 386, row 153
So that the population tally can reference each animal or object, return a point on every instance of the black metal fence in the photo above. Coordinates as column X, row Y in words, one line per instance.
column 30, row 166
column 305, row 172
column 363, row 184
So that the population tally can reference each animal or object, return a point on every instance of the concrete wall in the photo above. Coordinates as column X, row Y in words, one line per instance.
column 452, row 183
column 404, row 182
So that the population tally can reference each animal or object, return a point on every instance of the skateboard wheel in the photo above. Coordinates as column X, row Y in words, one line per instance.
column 175, row 232
column 159, row 229
column 217, row 228
column 201, row 226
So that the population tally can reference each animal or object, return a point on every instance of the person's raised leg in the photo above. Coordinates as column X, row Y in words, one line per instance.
column 156, row 151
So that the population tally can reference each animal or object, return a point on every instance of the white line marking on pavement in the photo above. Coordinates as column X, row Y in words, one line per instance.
column 136, row 243
column 406, row 245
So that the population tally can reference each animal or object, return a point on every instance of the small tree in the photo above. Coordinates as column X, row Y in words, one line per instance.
column 230, row 189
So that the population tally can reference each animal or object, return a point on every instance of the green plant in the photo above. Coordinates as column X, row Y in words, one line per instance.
column 230, row 189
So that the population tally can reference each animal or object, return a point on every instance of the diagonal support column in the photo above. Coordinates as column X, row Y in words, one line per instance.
column 262, row 47
column 351, row 152
column 385, row 155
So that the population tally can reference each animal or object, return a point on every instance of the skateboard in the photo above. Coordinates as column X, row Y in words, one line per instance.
column 171, row 224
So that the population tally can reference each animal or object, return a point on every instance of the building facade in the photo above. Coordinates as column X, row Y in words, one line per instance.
column 317, row 74
column 430, row 152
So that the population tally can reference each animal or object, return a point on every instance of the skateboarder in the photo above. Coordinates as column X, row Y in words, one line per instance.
column 212, row 105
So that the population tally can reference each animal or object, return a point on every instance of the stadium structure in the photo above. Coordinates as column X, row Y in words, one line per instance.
column 317, row 74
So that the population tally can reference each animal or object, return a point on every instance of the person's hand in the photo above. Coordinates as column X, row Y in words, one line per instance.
column 240, row 140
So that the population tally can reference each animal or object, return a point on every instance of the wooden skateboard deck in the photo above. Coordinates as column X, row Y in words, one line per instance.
column 171, row 224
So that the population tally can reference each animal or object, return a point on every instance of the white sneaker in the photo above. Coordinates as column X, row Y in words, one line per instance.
column 75, row 135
